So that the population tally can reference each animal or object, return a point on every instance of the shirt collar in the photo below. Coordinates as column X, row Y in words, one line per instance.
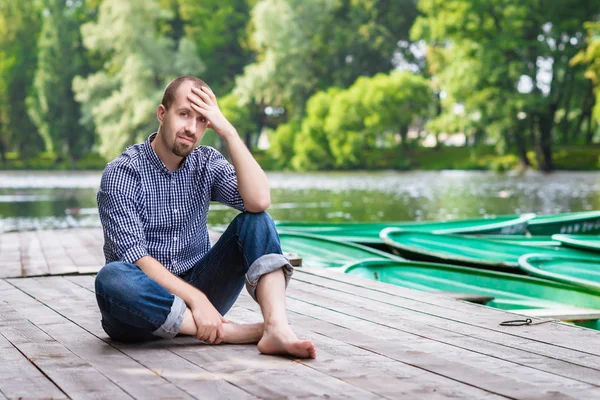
column 155, row 160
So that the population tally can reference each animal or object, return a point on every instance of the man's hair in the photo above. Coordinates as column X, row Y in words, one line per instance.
column 171, row 90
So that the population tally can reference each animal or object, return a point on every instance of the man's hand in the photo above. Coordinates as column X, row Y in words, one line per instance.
column 209, row 323
column 204, row 101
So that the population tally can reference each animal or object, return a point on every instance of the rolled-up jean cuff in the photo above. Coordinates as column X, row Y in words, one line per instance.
column 265, row 264
column 170, row 328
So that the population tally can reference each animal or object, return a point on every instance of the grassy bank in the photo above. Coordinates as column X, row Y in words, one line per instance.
column 570, row 158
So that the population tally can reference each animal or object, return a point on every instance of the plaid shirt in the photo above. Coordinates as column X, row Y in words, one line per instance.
column 147, row 210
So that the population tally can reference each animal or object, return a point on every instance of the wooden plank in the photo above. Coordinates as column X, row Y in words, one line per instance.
column 446, row 319
column 471, row 298
column 19, row 378
column 479, row 370
column 240, row 364
column 455, row 313
column 75, row 247
column 242, row 367
column 73, row 375
column 461, row 350
column 368, row 370
column 165, row 376
column 10, row 256
column 452, row 366
column 380, row 375
column 93, row 246
column 34, row 263
column 56, row 256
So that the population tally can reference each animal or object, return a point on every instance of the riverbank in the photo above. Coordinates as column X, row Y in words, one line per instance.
column 566, row 158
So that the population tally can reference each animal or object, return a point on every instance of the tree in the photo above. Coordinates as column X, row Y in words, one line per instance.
column 19, row 29
column 362, row 115
column 218, row 29
column 508, row 62
column 121, row 99
column 590, row 56
column 52, row 104
column 312, row 150
column 303, row 46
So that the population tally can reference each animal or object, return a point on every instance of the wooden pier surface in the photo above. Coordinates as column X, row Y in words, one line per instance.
column 374, row 341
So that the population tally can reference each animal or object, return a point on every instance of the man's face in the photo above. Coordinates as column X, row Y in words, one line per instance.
column 182, row 127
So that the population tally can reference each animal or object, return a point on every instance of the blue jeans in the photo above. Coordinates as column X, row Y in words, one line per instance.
column 136, row 308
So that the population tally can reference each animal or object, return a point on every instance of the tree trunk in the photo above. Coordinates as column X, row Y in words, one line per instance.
column 544, row 143
column 590, row 130
column 404, row 137
column 521, row 145
column 248, row 140
column 3, row 152
column 3, row 147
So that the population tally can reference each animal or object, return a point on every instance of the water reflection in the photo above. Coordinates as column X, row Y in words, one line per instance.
column 45, row 200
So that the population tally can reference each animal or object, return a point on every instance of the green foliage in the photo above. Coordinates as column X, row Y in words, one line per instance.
column 52, row 105
column 342, row 125
column 282, row 143
column 591, row 57
column 480, row 51
column 240, row 116
column 312, row 150
column 19, row 29
column 122, row 98
column 218, row 29
column 308, row 45
column 360, row 117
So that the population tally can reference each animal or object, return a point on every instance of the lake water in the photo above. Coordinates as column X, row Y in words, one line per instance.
column 49, row 200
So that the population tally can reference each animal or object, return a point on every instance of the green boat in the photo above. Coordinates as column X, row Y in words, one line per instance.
column 521, row 240
column 583, row 272
column 368, row 233
column 317, row 251
column 461, row 250
column 585, row 242
column 587, row 222
column 523, row 294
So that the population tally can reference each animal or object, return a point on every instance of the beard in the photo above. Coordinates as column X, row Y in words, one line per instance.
column 181, row 149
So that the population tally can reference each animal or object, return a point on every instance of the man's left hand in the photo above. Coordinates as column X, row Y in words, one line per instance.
column 204, row 101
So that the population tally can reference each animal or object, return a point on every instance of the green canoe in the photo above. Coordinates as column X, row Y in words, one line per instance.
column 522, row 294
column 577, row 222
column 521, row 240
column 368, row 233
column 583, row 272
column 461, row 250
column 585, row 242
column 317, row 251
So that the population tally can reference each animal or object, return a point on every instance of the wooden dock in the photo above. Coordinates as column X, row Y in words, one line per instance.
column 373, row 341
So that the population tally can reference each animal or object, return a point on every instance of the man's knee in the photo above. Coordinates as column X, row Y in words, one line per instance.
column 112, row 276
column 254, row 219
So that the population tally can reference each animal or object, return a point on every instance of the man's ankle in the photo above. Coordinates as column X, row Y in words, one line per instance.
column 276, row 324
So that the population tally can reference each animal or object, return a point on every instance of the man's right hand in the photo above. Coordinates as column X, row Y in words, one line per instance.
column 209, row 323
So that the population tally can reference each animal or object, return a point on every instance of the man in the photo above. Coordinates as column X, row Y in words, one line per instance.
column 162, row 278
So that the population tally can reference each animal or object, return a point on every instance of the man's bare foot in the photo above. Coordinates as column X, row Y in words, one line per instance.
column 282, row 341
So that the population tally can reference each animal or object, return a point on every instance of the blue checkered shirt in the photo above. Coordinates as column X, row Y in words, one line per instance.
column 147, row 210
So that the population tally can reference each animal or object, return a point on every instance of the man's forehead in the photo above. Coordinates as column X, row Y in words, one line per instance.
column 182, row 92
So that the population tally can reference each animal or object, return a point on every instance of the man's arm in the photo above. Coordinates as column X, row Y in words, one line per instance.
column 252, row 181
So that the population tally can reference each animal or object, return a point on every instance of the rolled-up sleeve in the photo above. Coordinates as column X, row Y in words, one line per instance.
column 224, row 185
column 124, row 238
